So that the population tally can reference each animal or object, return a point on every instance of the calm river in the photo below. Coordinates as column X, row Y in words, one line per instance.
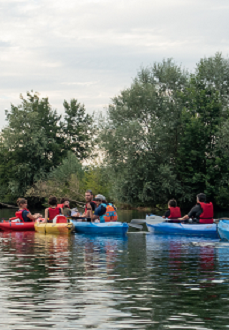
column 141, row 281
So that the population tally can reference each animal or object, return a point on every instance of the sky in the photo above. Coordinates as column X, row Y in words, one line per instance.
column 92, row 49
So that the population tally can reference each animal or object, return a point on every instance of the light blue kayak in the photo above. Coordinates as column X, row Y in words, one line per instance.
column 107, row 228
column 223, row 229
column 168, row 228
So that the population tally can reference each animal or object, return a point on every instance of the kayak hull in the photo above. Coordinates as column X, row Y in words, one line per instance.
column 54, row 228
column 107, row 228
column 17, row 226
column 223, row 229
column 167, row 228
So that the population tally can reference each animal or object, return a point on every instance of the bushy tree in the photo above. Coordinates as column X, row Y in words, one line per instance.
column 36, row 141
column 162, row 134
column 79, row 129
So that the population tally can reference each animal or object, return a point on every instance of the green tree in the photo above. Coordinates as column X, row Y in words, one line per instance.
column 66, row 180
column 165, row 136
column 36, row 141
column 78, row 129
column 141, row 135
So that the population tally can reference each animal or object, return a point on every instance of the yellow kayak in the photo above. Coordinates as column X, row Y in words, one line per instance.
column 54, row 228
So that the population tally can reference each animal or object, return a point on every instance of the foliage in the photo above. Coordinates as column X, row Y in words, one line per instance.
column 36, row 141
column 66, row 180
column 164, row 135
column 78, row 129
column 96, row 178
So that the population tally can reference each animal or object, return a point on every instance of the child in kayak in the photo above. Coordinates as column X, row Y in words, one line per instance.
column 53, row 210
column 173, row 211
column 65, row 205
column 23, row 213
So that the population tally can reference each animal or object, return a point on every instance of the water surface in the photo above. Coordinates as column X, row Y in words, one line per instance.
column 141, row 281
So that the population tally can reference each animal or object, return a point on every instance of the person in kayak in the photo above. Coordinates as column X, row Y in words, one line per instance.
column 53, row 210
column 23, row 213
column 65, row 205
column 103, row 212
column 202, row 211
column 173, row 211
column 90, row 205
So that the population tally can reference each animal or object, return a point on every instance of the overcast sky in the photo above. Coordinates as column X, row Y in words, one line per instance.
column 91, row 49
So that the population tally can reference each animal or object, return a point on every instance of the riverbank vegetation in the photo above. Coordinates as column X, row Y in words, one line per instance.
column 164, row 136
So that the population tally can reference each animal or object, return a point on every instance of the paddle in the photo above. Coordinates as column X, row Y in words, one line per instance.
column 80, row 218
column 137, row 223
column 135, row 226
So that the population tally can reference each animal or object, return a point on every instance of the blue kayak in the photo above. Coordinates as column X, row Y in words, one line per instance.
column 107, row 228
column 169, row 228
column 223, row 229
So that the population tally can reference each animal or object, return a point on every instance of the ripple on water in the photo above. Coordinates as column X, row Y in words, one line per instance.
column 137, row 282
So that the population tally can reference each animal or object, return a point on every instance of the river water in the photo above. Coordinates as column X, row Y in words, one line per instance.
column 141, row 281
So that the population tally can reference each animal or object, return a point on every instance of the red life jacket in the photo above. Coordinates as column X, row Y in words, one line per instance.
column 207, row 214
column 85, row 210
column 18, row 214
column 53, row 212
column 174, row 213
column 60, row 205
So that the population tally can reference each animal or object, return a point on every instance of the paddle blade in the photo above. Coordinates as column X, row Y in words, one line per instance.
column 138, row 221
column 154, row 219
column 139, row 227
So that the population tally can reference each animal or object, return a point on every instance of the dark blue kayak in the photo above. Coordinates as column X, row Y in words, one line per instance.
column 223, row 229
column 168, row 228
column 107, row 228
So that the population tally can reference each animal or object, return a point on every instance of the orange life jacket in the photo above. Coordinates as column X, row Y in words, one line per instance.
column 174, row 212
column 111, row 214
column 207, row 214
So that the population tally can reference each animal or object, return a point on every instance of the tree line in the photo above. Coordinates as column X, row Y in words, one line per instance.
column 164, row 136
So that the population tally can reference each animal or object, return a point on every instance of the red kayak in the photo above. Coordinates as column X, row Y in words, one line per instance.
column 10, row 225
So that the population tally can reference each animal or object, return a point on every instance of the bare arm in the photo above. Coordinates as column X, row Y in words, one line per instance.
column 46, row 215
column 185, row 217
column 32, row 217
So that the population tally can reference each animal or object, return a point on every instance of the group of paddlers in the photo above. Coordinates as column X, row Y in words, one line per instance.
column 202, row 212
column 97, row 209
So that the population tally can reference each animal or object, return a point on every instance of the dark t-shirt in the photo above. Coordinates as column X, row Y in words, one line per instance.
column 93, row 206
column 24, row 216
column 167, row 213
column 195, row 211
column 100, row 210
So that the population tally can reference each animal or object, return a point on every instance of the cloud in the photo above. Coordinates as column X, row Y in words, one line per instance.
column 91, row 49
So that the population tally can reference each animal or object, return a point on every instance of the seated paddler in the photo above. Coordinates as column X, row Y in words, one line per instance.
column 23, row 213
column 104, row 212
column 202, row 212
column 173, row 213
column 53, row 210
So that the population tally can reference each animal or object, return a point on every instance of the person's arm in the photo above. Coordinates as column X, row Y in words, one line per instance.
column 89, row 213
column 191, row 214
column 30, row 216
column 185, row 217
column 101, row 210
column 46, row 215
column 166, row 215
column 61, row 210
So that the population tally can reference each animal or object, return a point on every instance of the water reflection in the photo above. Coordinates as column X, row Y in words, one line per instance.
column 137, row 282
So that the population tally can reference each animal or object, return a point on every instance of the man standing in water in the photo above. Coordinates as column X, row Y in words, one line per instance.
column 202, row 211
